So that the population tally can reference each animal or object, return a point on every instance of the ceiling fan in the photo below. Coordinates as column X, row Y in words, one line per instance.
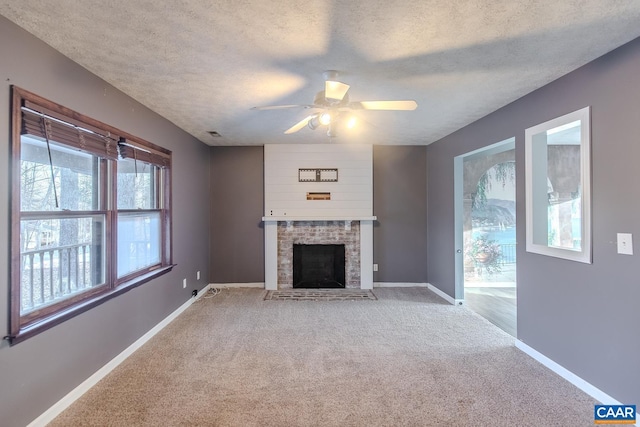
column 334, row 107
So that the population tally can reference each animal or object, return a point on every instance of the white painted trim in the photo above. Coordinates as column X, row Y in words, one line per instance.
column 591, row 390
column 366, row 254
column 447, row 298
column 441, row 294
column 238, row 285
column 55, row 410
column 585, row 254
column 399, row 285
column 271, row 255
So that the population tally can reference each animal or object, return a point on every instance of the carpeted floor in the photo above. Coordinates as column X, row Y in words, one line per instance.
column 408, row 359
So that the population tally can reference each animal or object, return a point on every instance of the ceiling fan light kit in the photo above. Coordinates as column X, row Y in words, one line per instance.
column 335, row 108
column 324, row 118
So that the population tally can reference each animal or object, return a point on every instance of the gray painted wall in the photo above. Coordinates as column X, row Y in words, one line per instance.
column 584, row 317
column 39, row 371
column 400, row 203
column 237, row 207
column 399, row 197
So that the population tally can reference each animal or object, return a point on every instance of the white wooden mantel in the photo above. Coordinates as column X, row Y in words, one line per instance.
column 271, row 246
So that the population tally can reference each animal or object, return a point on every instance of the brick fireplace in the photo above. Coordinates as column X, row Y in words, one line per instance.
column 318, row 194
column 319, row 233
column 355, row 233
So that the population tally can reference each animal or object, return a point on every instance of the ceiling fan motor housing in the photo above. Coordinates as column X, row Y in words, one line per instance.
column 322, row 101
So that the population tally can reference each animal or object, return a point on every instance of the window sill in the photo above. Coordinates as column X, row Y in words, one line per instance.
column 42, row 325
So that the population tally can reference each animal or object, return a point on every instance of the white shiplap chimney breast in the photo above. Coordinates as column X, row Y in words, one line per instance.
column 350, row 197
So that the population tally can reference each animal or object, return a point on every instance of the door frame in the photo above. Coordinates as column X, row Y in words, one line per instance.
column 458, row 209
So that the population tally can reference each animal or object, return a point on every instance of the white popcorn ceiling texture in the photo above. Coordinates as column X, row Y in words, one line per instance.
column 203, row 64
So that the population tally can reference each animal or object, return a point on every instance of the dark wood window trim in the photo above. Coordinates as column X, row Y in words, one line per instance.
column 109, row 144
column 60, row 316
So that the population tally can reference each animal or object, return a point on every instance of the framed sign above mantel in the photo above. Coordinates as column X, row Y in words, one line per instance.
column 317, row 175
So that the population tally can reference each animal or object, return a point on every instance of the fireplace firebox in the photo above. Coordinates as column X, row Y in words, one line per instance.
column 318, row 266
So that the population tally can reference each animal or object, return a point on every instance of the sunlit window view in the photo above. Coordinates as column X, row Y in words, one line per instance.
column 138, row 241
column 138, row 216
column 90, row 213
column 61, row 235
column 136, row 185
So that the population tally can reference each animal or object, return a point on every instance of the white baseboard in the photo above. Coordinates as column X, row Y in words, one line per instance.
column 238, row 285
column 447, row 298
column 48, row 416
column 591, row 390
column 398, row 285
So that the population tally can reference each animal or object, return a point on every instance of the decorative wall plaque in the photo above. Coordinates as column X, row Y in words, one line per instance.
column 318, row 196
column 317, row 175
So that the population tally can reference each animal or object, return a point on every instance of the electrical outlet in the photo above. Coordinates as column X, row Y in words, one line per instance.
column 198, row 275
column 375, row 267
column 184, row 283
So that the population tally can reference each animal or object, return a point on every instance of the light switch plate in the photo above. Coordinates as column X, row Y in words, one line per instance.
column 625, row 243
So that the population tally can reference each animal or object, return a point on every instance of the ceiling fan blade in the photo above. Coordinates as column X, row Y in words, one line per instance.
column 302, row 123
column 335, row 90
column 281, row 107
column 407, row 105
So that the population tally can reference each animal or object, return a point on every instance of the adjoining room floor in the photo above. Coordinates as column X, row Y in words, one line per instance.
column 496, row 304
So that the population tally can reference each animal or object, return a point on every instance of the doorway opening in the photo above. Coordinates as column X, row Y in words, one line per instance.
column 486, row 233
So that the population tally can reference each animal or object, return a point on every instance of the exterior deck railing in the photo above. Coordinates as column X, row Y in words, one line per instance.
column 53, row 274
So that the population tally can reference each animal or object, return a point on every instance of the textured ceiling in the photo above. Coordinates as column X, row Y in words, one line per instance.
column 203, row 64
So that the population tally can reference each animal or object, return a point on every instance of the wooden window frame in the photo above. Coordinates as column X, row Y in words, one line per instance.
column 24, row 326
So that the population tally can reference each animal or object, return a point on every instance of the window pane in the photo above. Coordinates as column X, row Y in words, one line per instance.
column 136, row 185
column 138, row 241
column 60, row 258
column 75, row 176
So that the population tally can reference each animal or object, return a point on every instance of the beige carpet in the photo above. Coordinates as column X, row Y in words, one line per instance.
column 408, row 359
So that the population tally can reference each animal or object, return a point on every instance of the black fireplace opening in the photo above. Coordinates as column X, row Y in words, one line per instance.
column 318, row 266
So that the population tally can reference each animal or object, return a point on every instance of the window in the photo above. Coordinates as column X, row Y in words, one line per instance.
column 139, row 217
column 558, row 187
column 90, row 213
